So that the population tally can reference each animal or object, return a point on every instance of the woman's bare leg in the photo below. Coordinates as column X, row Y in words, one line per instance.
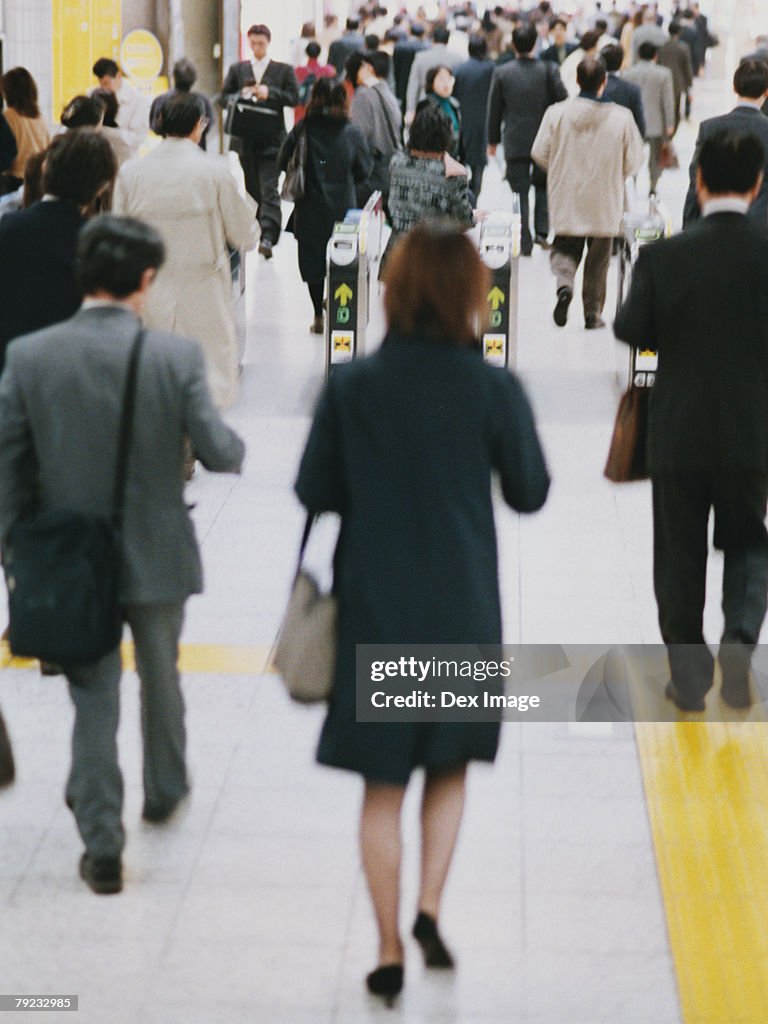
column 380, row 846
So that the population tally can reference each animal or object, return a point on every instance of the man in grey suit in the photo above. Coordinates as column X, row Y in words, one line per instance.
column 60, row 403
column 657, row 90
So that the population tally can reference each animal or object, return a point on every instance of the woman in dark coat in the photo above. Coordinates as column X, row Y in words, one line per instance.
column 403, row 447
column 337, row 159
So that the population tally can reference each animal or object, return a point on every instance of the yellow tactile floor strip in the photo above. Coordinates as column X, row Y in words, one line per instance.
column 706, row 785
column 207, row 659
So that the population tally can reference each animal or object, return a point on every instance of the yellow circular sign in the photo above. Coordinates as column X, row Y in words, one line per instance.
column 141, row 55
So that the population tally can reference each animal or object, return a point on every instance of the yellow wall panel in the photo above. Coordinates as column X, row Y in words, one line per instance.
column 83, row 31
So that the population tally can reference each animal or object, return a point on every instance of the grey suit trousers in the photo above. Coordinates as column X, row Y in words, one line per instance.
column 95, row 786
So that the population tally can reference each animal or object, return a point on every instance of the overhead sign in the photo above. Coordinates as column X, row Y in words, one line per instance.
column 141, row 56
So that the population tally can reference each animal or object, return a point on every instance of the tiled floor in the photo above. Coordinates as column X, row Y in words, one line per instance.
column 251, row 908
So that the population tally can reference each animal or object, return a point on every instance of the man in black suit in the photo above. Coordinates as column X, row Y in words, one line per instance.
column 471, row 86
column 274, row 85
column 402, row 59
column 701, row 300
column 750, row 83
column 520, row 93
column 626, row 94
column 562, row 47
column 676, row 56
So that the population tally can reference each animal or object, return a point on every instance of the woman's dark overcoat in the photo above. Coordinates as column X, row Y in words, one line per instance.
column 403, row 446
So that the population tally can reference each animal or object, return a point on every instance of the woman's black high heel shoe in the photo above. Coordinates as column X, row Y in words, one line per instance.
column 428, row 937
column 386, row 982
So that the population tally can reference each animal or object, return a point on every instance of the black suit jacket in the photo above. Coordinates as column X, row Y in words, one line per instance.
column 520, row 93
column 628, row 95
column 37, row 268
column 402, row 59
column 701, row 299
column 278, row 78
column 744, row 119
column 552, row 53
column 472, row 83
column 8, row 147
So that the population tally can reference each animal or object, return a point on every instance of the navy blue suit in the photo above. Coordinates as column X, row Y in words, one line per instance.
column 471, row 88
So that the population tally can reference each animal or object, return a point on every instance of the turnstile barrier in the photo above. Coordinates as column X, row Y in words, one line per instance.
column 500, row 250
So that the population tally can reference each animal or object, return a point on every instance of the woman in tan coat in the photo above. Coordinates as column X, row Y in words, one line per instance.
column 23, row 116
column 192, row 199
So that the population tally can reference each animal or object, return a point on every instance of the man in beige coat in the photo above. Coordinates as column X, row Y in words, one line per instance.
column 588, row 149
column 193, row 200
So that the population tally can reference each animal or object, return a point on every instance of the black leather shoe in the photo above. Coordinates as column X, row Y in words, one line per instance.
column 157, row 813
column 7, row 766
column 672, row 693
column 104, row 875
column 564, row 296
column 543, row 241
column 428, row 937
column 386, row 982
column 265, row 248
column 593, row 322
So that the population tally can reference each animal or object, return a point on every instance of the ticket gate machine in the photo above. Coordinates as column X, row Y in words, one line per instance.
column 500, row 251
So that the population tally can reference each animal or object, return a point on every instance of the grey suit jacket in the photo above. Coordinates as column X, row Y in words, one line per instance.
column 60, row 400
column 658, row 96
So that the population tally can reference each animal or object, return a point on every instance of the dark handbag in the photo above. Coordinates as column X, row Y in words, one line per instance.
column 62, row 568
column 627, row 455
column 305, row 649
column 250, row 120
column 668, row 157
column 294, row 183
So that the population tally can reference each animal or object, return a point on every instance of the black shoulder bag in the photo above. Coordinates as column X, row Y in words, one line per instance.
column 62, row 568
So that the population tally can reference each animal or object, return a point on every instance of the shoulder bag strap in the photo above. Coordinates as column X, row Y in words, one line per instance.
column 126, row 429
column 304, row 540
column 385, row 108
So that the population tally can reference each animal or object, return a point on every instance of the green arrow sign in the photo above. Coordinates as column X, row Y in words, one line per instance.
column 495, row 296
column 343, row 293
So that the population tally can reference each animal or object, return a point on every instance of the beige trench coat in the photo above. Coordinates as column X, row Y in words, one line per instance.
column 588, row 150
column 193, row 200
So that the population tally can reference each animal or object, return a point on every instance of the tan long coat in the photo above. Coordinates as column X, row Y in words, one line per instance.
column 193, row 201
column 588, row 150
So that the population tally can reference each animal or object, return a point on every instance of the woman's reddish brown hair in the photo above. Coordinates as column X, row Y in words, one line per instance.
column 436, row 284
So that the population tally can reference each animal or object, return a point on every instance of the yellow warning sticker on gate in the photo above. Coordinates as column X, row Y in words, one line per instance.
column 494, row 349
column 342, row 346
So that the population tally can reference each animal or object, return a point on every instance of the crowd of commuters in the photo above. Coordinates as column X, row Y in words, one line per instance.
column 389, row 105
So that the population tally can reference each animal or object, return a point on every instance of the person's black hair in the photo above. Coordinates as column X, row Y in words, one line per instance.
column 431, row 131
column 113, row 253
column 379, row 61
column 417, row 29
column 83, row 112
column 675, row 28
column 558, row 21
column 441, row 33
column 353, row 24
column 612, row 55
column 352, row 65
column 79, row 164
column 647, row 51
column 477, row 47
column 731, row 161
column 524, row 38
column 601, row 25
column 20, row 92
column 111, row 105
column 750, row 79
column 184, row 74
column 589, row 40
column 372, row 42
column 590, row 74
column 260, row 30
column 312, row 50
column 181, row 113
column 328, row 97
column 105, row 66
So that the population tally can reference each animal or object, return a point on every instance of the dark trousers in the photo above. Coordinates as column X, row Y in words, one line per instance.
column 565, row 258
column 95, row 785
column 476, row 173
column 261, row 177
column 521, row 174
column 681, row 506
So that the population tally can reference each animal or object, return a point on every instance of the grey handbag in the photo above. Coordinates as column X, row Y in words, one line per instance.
column 305, row 649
